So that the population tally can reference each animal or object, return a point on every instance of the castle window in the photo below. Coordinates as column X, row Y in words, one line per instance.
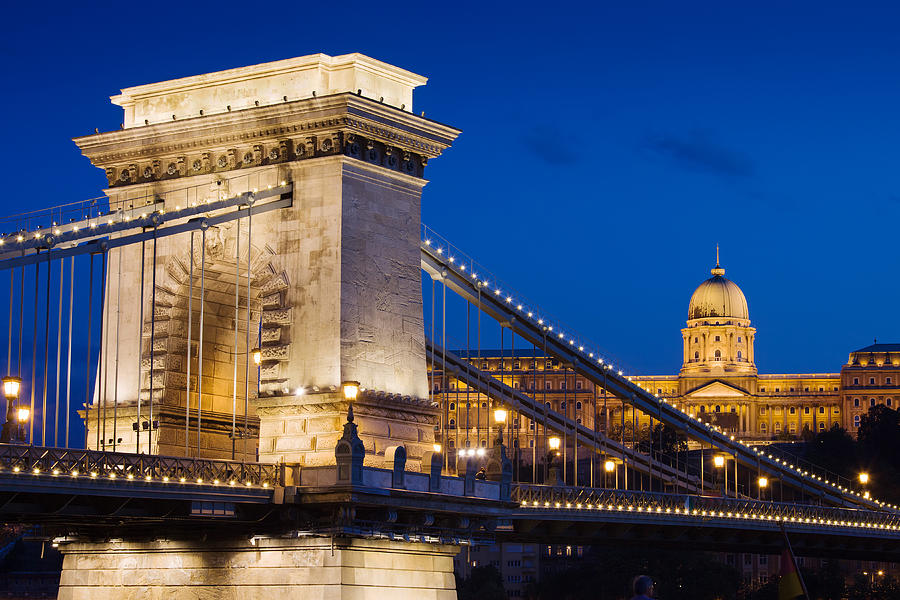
column 889, row 401
column 856, row 402
column 856, row 381
column 578, row 420
column 763, row 427
column 659, row 390
column 718, row 408
column 739, row 356
column 871, row 401
column 777, row 390
column 792, row 388
column 484, row 365
column 887, row 380
column 821, row 389
column 452, row 406
column 718, row 339
column 871, row 381
column 806, row 389
column 578, row 385
column 696, row 356
column 718, row 355
column 562, row 406
column 484, row 405
column 703, row 409
column 793, row 428
column 762, row 410
column 547, row 405
column 793, row 410
column 777, row 427
column 548, row 364
column 578, row 406
column 856, row 420
column 548, row 385
column 821, row 410
column 695, row 339
column 805, row 410
column 762, row 389
column 484, row 443
column 821, row 425
column 531, row 443
column 562, row 385
column 739, row 339
column 733, row 409
column 452, row 423
column 515, row 385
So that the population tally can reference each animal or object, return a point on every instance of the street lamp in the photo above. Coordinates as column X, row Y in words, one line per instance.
column 11, row 387
column 350, row 389
column 500, row 415
column 437, row 447
column 553, row 472
column 719, row 463
column 609, row 466
column 257, row 356
column 762, row 483
column 864, row 478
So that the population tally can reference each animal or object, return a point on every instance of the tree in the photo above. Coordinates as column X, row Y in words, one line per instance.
column 483, row 583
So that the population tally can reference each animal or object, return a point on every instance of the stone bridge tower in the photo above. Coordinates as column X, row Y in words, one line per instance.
column 335, row 283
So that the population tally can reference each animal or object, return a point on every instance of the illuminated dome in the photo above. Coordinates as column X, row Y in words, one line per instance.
column 718, row 297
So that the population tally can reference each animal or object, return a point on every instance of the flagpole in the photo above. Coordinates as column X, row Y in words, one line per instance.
column 794, row 560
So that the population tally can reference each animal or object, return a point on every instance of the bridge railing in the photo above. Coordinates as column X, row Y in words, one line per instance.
column 59, row 462
column 578, row 498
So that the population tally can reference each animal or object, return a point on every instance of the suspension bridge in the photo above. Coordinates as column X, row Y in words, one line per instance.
column 248, row 361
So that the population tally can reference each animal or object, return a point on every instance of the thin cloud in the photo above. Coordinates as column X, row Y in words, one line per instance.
column 698, row 153
column 550, row 145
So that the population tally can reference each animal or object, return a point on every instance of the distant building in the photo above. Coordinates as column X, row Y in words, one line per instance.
column 718, row 382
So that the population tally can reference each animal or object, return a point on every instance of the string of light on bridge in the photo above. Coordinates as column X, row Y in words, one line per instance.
column 95, row 475
column 443, row 251
column 706, row 514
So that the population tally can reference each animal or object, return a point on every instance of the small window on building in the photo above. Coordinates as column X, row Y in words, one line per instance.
column 888, row 380
column 856, row 420
column 763, row 427
column 452, row 423
column 562, row 406
column 453, row 406
column 531, row 442
column 762, row 389
column 578, row 405
column 484, row 365
column 517, row 365
column 739, row 339
column 739, row 355
column 806, row 389
column 562, row 385
column 696, row 356
column 695, row 340
column 548, row 385
column 548, row 364
column 871, row 381
column 821, row 389
column 793, row 428
column 718, row 408
column 793, row 410
column 821, row 425
column 805, row 410
column 856, row 381
column 547, row 405
column 856, row 402
column 717, row 339
column 703, row 409
column 515, row 385
column 579, row 385
column 762, row 410
column 889, row 401
column 792, row 388
column 484, row 405
column 777, row 390
column 718, row 355
column 777, row 427
column 871, row 401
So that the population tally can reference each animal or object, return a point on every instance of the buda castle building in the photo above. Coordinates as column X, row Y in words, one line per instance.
column 718, row 382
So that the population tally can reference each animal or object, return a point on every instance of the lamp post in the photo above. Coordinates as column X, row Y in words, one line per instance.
column 610, row 467
column 762, row 483
column 500, row 415
column 719, row 463
column 553, row 477
column 11, row 387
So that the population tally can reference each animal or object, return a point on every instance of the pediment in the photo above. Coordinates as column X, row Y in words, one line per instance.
column 717, row 389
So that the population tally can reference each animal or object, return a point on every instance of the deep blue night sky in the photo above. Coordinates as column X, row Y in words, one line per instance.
column 605, row 150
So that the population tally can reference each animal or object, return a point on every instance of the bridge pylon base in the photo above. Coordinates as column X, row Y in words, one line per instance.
column 262, row 567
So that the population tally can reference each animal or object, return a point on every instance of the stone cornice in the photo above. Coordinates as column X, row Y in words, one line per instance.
column 339, row 124
column 346, row 112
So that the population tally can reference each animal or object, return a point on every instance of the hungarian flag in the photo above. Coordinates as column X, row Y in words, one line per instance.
column 790, row 585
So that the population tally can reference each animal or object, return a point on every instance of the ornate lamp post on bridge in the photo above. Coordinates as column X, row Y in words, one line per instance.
column 553, row 470
column 16, row 416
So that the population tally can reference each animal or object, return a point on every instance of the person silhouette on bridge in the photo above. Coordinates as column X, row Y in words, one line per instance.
column 642, row 587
